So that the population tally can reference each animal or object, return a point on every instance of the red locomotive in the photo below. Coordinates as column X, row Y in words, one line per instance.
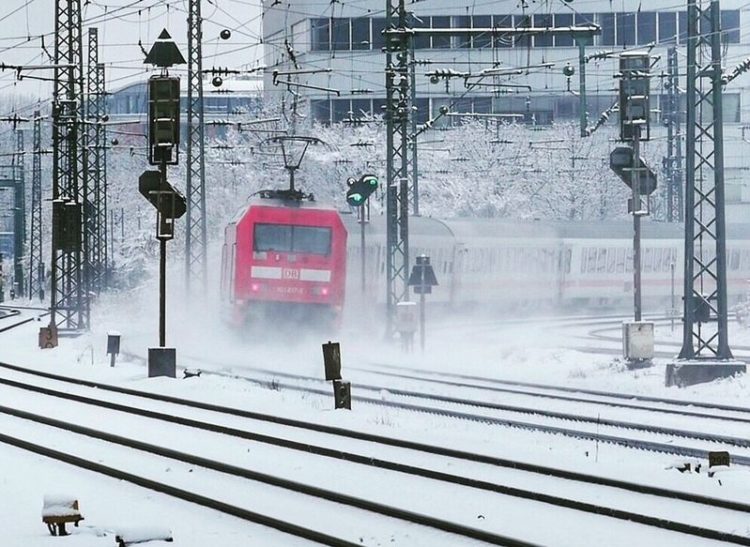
column 284, row 259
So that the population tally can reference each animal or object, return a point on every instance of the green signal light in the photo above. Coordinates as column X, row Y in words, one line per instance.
column 355, row 199
column 360, row 189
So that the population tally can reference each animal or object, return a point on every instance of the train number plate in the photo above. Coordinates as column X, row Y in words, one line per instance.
column 289, row 273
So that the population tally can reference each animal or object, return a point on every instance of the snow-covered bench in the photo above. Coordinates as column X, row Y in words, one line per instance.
column 58, row 511
column 143, row 535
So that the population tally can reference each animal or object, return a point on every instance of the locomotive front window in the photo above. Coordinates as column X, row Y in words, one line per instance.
column 287, row 238
column 273, row 237
column 313, row 240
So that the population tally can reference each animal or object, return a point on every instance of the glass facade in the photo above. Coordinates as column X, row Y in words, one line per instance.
column 618, row 29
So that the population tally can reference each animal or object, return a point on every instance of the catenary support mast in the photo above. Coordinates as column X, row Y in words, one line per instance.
column 36, row 263
column 195, row 238
column 705, row 297
column 69, row 299
column 95, row 232
column 19, row 216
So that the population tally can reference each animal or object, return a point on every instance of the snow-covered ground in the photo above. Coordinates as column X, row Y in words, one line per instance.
column 536, row 351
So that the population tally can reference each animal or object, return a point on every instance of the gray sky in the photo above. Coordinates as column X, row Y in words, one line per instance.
column 122, row 23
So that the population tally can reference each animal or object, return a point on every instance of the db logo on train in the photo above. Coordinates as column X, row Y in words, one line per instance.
column 289, row 273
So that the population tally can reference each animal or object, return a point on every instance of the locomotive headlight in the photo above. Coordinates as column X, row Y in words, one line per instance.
column 319, row 291
column 256, row 287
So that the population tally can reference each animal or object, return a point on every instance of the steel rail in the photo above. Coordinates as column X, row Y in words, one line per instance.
column 265, row 478
column 494, row 389
column 368, row 437
column 660, row 430
column 403, row 468
column 185, row 495
column 586, row 391
column 653, row 446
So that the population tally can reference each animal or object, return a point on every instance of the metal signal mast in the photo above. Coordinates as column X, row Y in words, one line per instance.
column 397, row 116
column 195, row 238
column 673, row 160
column 705, row 302
column 95, row 229
column 36, row 264
column 69, row 299
column 19, row 215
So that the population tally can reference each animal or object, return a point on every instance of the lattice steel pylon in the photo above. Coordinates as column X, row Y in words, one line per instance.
column 19, row 216
column 397, row 115
column 413, row 168
column 195, row 238
column 95, row 230
column 69, row 299
column 705, row 333
column 673, row 160
column 36, row 256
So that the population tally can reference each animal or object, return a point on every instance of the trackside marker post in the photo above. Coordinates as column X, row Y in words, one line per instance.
column 342, row 391
column 113, row 346
column 422, row 279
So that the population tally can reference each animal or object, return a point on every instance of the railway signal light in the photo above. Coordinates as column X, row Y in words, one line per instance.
column 360, row 190
column 66, row 225
column 634, row 95
column 621, row 162
column 163, row 196
column 163, row 119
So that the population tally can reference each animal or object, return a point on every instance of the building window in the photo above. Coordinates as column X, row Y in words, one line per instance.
column 564, row 20
column 503, row 21
column 441, row 42
column 520, row 21
column 360, row 108
column 647, row 27
column 378, row 26
column 421, row 42
column 422, row 114
column 361, row 33
column 320, row 35
column 625, row 29
column 730, row 26
column 340, row 109
column 542, row 40
column 321, row 111
column 731, row 107
column 463, row 40
column 483, row 105
column 340, row 35
column 682, row 31
column 607, row 22
column 667, row 27
column 482, row 40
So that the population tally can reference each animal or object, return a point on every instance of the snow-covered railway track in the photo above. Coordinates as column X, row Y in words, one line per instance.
column 713, row 411
column 7, row 312
column 94, row 464
column 360, row 510
column 646, row 517
column 517, row 416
